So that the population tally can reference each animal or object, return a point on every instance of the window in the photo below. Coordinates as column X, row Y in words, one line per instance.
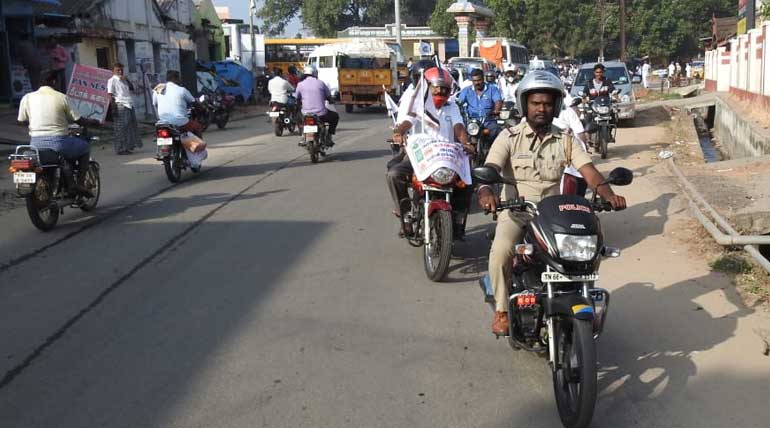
column 103, row 58
column 325, row 62
column 618, row 75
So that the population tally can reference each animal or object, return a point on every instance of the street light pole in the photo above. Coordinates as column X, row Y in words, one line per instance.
column 601, row 31
column 398, row 22
column 622, row 30
column 252, row 11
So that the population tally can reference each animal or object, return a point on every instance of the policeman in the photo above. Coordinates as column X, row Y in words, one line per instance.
column 534, row 154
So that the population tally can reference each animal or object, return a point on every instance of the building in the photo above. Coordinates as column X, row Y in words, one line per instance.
column 207, row 34
column 412, row 39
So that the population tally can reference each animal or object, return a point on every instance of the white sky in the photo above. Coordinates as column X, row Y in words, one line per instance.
column 239, row 9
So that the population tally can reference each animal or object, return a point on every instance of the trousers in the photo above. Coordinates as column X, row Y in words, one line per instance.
column 509, row 232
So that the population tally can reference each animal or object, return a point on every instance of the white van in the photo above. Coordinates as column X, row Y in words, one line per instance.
column 514, row 54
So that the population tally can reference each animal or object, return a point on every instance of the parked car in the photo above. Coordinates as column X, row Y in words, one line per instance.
column 661, row 73
column 621, row 78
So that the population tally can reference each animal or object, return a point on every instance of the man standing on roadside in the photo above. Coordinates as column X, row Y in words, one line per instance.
column 126, row 136
column 646, row 74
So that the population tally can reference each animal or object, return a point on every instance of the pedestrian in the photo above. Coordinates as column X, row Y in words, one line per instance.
column 126, row 135
column 58, row 60
column 646, row 74
column 688, row 70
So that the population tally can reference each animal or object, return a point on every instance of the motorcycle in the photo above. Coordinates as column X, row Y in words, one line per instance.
column 202, row 111
column 168, row 139
column 284, row 116
column 44, row 179
column 598, row 116
column 428, row 219
column 554, row 305
column 315, row 136
column 220, row 105
column 508, row 113
column 479, row 137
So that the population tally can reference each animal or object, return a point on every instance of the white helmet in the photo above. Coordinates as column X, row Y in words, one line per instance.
column 309, row 70
column 539, row 81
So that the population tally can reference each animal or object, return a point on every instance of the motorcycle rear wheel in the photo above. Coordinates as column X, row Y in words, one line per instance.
column 173, row 165
column 574, row 381
column 222, row 122
column 437, row 255
column 278, row 128
column 42, row 210
column 94, row 184
column 312, row 148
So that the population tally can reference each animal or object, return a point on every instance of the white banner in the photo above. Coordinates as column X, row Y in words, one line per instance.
column 428, row 154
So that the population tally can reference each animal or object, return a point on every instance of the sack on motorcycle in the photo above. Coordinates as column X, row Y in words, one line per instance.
column 193, row 143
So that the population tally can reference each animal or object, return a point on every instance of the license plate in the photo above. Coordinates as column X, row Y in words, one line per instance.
column 165, row 141
column 24, row 177
column 557, row 277
column 274, row 113
column 310, row 129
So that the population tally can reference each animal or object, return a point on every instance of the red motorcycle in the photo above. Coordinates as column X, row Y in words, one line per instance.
column 430, row 220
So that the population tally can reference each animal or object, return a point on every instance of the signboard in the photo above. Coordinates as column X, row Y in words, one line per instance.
column 20, row 83
column 425, row 49
column 746, row 15
column 428, row 154
column 87, row 91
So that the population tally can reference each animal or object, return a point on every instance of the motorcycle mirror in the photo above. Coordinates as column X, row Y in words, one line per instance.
column 620, row 177
column 488, row 175
column 575, row 101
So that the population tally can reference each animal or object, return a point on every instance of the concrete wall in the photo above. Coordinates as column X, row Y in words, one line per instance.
column 739, row 138
column 743, row 67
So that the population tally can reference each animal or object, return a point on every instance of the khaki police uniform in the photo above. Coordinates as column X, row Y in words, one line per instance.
column 537, row 166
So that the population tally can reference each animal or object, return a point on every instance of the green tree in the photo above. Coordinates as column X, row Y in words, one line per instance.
column 442, row 22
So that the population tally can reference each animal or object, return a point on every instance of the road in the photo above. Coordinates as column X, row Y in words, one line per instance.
column 270, row 292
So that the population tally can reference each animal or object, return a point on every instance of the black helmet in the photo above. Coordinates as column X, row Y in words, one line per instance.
column 490, row 76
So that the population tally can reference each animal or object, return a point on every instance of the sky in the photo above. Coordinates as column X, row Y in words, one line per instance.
column 239, row 9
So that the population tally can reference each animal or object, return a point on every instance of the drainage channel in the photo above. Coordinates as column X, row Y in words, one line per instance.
column 710, row 152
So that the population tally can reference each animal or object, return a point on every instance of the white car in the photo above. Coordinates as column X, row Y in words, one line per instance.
column 661, row 72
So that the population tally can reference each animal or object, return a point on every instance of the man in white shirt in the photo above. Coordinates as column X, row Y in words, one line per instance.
column 126, row 129
column 443, row 121
column 171, row 101
column 48, row 114
column 671, row 70
column 570, row 120
column 646, row 74
column 279, row 88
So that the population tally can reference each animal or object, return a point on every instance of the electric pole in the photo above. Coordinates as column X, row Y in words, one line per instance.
column 398, row 22
column 601, row 31
column 622, row 30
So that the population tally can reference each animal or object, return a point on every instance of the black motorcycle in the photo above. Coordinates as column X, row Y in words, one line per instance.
column 599, row 120
column 171, row 152
column 202, row 111
column 479, row 137
column 554, row 306
column 46, row 181
column 315, row 137
column 284, row 116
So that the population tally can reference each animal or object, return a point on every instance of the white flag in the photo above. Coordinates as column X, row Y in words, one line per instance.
column 391, row 105
column 417, row 105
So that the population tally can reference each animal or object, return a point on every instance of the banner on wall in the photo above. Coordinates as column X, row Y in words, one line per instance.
column 87, row 91
column 20, row 83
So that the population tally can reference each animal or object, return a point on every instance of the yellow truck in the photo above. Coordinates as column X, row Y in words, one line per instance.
column 358, row 72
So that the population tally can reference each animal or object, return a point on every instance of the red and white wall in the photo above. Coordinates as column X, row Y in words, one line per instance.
column 744, row 68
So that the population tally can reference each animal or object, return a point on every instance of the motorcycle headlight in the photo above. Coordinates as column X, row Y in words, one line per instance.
column 473, row 129
column 603, row 109
column 505, row 114
column 443, row 176
column 576, row 248
column 625, row 99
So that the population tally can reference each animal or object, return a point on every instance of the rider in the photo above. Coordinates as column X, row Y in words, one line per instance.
column 450, row 128
column 594, row 87
column 508, row 84
column 491, row 77
column 171, row 100
column 48, row 115
column 483, row 101
column 313, row 94
column 279, row 88
column 292, row 76
column 533, row 153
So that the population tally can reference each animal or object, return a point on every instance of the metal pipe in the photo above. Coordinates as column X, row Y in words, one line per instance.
column 398, row 22
column 723, row 238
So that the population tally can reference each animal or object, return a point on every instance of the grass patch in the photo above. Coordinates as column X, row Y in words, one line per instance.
column 660, row 96
column 731, row 263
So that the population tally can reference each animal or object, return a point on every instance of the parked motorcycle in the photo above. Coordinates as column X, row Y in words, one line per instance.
column 554, row 305
column 315, row 136
column 170, row 151
column 284, row 116
column 45, row 180
column 220, row 104
column 599, row 120
column 427, row 219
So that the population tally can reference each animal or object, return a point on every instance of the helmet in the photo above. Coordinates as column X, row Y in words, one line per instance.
column 309, row 70
column 539, row 81
column 510, row 68
column 490, row 76
column 438, row 77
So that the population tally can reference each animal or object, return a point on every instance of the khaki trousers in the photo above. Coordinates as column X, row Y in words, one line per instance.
column 509, row 232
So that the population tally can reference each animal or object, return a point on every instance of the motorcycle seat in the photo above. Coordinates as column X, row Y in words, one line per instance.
column 49, row 156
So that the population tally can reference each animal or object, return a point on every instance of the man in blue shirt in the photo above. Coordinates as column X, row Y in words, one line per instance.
column 482, row 101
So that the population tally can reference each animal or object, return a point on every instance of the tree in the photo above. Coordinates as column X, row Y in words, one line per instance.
column 441, row 22
column 326, row 17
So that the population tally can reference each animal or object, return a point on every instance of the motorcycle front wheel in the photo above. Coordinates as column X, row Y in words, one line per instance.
column 574, row 378
column 94, row 185
column 604, row 138
column 437, row 252
column 222, row 121
column 42, row 210
column 173, row 165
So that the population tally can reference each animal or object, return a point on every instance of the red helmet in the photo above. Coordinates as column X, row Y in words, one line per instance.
column 438, row 77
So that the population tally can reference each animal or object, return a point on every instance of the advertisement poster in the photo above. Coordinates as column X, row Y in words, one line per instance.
column 20, row 83
column 428, row 154
column 87, row 91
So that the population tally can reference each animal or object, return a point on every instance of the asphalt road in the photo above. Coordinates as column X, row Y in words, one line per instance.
column 268, row 291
